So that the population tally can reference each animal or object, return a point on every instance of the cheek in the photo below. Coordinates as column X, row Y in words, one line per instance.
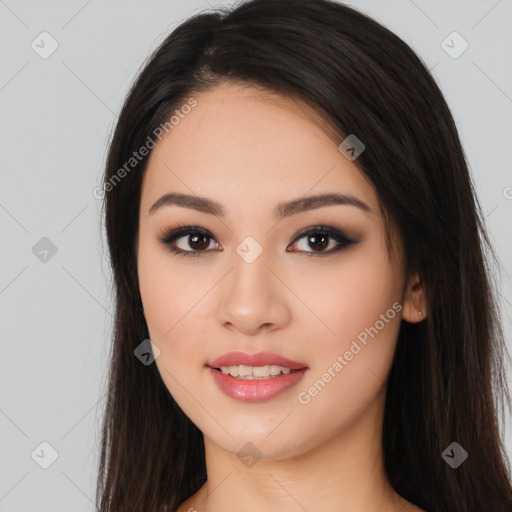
column 346, row 297
column 352, row 320
column 172, row 302
column 171, row 299
column 351, row 363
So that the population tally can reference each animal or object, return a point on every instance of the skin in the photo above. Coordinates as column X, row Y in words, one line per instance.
column 249, row 151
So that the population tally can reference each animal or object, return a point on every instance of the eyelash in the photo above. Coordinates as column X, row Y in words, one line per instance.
column 182, row 230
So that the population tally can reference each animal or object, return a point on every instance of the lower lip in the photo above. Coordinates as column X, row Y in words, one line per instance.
column 257, row 390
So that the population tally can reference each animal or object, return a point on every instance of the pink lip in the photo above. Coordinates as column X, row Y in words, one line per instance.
column 258, row 359
column 255, row 390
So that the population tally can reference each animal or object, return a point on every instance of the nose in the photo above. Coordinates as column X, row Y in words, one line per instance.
column 253, row 297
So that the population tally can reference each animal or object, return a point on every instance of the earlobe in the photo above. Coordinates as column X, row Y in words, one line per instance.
column 414, row 304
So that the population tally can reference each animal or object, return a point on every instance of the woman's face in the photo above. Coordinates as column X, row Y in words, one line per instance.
column 247, row 281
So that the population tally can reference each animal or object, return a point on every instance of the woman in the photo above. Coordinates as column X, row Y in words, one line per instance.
column 304, row 318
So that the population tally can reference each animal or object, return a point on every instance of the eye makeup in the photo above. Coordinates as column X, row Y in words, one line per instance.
column 199, row 240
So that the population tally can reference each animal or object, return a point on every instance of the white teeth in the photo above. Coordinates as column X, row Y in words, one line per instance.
column 262, row 371
column 244, row 371
column 255, row 372
column 275, row 370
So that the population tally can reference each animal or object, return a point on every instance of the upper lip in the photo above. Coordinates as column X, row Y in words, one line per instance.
column 258, row 359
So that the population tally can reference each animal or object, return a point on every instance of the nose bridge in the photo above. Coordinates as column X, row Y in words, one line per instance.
column 250, row 275
column 252, row 296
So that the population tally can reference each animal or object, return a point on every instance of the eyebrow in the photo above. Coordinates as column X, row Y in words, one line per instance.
column 282, row 210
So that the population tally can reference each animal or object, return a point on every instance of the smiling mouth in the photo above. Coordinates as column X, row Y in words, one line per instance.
column 242, row 372
column 256, row 383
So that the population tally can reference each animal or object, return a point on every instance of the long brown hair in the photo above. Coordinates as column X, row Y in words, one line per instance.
column 447, row 376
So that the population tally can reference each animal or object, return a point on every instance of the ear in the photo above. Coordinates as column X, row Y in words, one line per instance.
column 414, row 304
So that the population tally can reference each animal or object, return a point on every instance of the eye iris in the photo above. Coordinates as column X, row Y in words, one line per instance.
column 195, row 245
column 322, row 245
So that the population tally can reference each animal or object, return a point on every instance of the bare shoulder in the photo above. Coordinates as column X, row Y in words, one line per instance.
column 191, row 504
column 187, row 506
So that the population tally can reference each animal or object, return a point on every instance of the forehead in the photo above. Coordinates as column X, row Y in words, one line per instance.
column 245, row 141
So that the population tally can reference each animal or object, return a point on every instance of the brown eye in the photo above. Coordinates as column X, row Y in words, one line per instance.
column 319, row 238
column 318, row 241
column 195, row 241
column 198, row 242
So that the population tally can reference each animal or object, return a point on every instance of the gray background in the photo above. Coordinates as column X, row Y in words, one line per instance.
column 56, row 117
